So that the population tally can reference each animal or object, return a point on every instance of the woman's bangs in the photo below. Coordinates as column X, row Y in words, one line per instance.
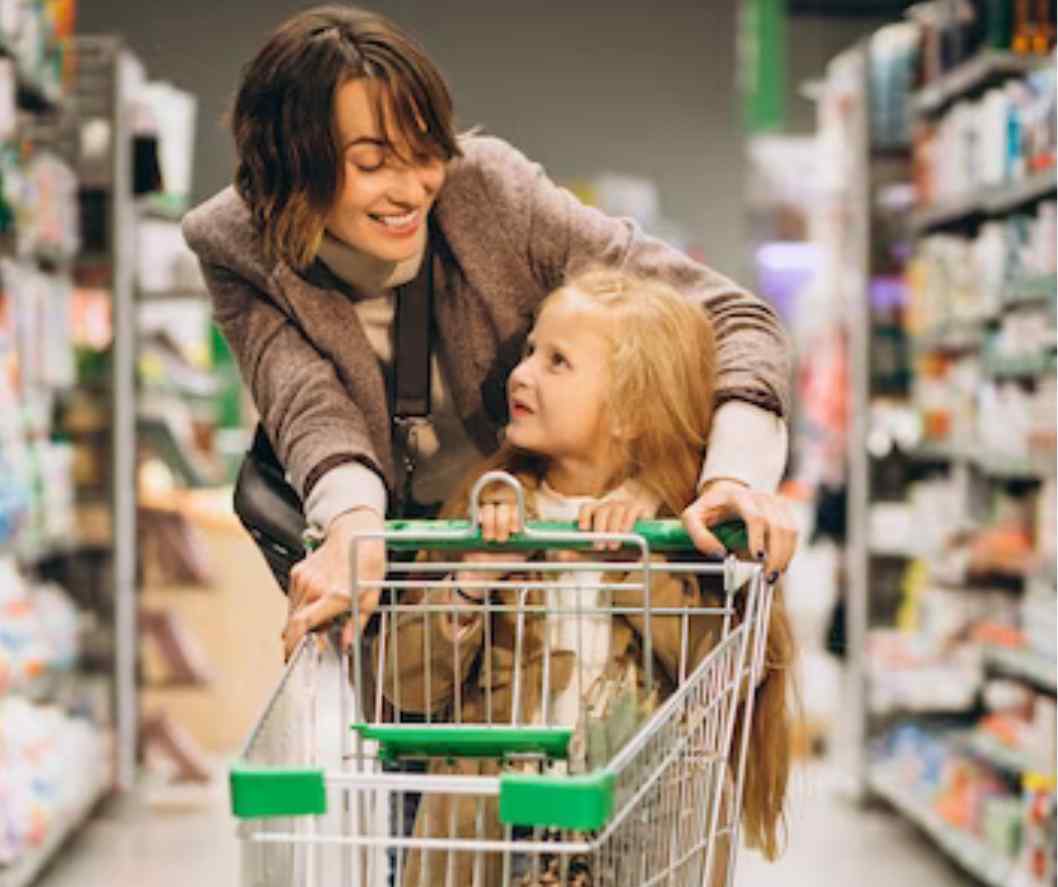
column 408, row 119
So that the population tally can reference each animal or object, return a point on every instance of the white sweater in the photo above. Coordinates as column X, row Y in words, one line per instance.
column 587, row 634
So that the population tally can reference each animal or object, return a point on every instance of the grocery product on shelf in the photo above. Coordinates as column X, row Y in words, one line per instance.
column 979, row 145
column 994, row 820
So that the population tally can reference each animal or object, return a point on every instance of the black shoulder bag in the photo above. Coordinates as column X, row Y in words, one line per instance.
column 270, row 508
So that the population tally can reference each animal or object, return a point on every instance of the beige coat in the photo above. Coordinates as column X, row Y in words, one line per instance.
column 504, row 236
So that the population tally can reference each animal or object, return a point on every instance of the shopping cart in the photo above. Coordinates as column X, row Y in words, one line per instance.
column 471, row 773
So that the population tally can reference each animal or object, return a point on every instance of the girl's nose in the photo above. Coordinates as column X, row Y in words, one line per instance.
column 520, row 374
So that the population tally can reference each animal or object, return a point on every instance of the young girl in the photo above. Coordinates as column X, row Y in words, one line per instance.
column 608, row 404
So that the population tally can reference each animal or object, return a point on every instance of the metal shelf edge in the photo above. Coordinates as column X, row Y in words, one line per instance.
column 993, row 464
column 1025, row 664
column 1019, row 367
column 970, row 75
column 1030, row 291
column 988, row 201
column 995, row 753
column 177, row 294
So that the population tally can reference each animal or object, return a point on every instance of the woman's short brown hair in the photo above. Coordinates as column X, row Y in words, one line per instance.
column 289, row 168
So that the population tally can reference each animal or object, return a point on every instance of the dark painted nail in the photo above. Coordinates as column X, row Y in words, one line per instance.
column 760, row 555
column 773, row 577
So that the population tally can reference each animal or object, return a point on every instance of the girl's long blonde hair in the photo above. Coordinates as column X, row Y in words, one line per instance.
column 663, row 377
column 660, row 405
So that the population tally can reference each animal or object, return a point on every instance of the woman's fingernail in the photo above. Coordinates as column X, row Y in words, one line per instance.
column 760, row 555
column 773, row 577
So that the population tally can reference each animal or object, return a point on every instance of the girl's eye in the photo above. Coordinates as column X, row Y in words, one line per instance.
column 558, row 359
column 527, row 350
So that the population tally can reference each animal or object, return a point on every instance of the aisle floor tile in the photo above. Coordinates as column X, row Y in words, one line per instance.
column 833, row 843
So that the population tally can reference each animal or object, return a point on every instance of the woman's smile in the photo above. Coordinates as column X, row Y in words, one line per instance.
column 404, row 224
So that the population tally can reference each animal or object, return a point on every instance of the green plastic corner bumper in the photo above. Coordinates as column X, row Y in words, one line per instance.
column 263, row 792
column 453, row 741
column 583, row 803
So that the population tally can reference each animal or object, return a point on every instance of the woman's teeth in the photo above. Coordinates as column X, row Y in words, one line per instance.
column 397, row 221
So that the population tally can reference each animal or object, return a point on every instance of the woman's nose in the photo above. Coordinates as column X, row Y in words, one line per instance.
column 408, row 187
column 415, row 184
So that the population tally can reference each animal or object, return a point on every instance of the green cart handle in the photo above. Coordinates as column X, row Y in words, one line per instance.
column 666, row 535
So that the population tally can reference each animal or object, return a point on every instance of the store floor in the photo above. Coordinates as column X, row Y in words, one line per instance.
column 832, row 843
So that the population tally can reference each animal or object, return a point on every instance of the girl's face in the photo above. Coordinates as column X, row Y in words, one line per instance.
column 382, row 202
column 558, row 394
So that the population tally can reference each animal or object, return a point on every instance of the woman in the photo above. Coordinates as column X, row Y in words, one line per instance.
column 349, row 167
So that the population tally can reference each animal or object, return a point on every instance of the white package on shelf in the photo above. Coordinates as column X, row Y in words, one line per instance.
column 50, row 765
column 174, row 113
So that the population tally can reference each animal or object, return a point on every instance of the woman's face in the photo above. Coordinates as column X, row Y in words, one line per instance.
column 382, row 202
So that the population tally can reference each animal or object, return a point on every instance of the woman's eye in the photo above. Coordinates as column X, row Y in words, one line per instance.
column 558, row 359
column 369, row 167
column 527, row 350
column 368, row 161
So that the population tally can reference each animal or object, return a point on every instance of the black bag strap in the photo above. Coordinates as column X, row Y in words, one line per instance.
column 412, row 345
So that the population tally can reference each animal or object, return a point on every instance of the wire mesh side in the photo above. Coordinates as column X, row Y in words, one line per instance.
column 677, row 783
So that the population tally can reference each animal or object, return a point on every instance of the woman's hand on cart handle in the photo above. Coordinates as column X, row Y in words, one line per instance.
column 320, row 584
column 770, row 525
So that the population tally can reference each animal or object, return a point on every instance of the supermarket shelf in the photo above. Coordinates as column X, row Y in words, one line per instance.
column 994, row 464
column 977, row 858
column 895, row 552
column 987, row 202
column 949, row 213
column 1028, row 664
column 32, row 554
column 30, row 92
column 58, row 682
column 953, row 335
column 24, row 872
column 37, row 689
column 885, row 151
column 1007, row 197
column 182, row 294
column 936, row 453
column 1004, row 467
column 994, row 752
column 1027, row 367
column 1032, row 291
column 979, row 72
